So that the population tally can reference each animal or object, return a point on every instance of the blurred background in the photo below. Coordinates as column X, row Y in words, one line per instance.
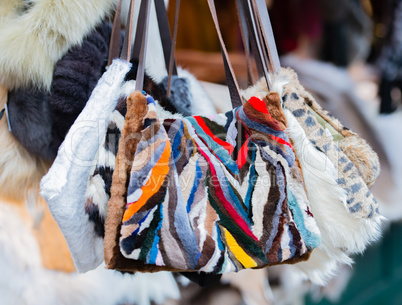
column 348, row 54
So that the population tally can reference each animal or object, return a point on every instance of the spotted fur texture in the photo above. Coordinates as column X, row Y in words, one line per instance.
column 367, row 161
column 361, row 154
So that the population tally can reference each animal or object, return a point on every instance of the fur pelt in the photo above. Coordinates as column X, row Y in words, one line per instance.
column 19, row 170
column 74, row 78
column 10, row 8
column 35, row 34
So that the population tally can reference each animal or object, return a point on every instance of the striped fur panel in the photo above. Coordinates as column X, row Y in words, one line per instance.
column 217, row 195
column 100, row 181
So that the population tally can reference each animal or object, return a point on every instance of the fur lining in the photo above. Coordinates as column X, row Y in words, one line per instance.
column 31, row 43
column 342, row 234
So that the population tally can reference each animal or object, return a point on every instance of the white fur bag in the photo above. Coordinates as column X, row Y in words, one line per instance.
column 63, row 186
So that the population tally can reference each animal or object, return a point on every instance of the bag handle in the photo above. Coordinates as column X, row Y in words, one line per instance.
column 172, row 62
column 249, row 22
column 264, row 49
column 256, row 15
column 247, row 43
column 164, row 31
column 114, row 45
column 268, row 41
column 233, row 86
column 127, row 43
column 141, row 39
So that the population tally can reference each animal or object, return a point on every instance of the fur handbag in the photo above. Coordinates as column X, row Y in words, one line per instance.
column 345, row 211
column 62, row 186
column 338, row 166
column 195, row 199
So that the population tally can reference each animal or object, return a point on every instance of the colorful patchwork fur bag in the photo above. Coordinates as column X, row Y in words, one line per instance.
column 207, row 194
column 185, row 195
column 215, row 194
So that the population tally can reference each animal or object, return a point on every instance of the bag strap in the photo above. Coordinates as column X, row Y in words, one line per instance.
column 248, row 26
column 164, row 31
column 268, row 41
column 127, row 43
column 248, row 45
column 233, row 86
column 114, row 45
column 172, row 62
column 265, row 55
column 140, row 44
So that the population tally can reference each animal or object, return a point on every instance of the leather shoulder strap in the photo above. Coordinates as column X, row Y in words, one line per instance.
column 230, row 78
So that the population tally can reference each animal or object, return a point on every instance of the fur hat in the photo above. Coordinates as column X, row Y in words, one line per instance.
column 34, row 35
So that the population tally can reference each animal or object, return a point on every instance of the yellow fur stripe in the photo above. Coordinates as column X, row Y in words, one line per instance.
column 238, row 252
